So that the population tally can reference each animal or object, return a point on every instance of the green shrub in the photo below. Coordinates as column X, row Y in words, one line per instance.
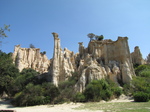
column 141, row 97
column 144, row 73
column 127, row 89
column 141, row 68
column 36, row 95
column 66, row 89
column 92, row 91
column 79, row 97
column 101, row 90
column 106, row 94
column 117, row 91
column 140, row 84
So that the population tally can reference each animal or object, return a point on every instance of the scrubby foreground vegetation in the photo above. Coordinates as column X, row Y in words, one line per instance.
column 26, row 89
column 140, row 85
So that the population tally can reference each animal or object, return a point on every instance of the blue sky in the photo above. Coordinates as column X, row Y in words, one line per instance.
column 33, row 21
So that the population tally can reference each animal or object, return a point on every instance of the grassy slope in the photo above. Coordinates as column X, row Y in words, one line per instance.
column 117, row 106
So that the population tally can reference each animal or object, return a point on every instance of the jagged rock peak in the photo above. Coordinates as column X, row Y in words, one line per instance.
column 30, row 58
column 101, row 59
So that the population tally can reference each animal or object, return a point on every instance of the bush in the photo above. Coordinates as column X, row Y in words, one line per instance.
column 36, row 95
column 141, row 68
column 92, row 91
column 117, row 91
column 141, row 84
column 141, row 97
column 127, row 89
column 66, row 89
column 101, row 90
column 79, row 97
column 144, row 73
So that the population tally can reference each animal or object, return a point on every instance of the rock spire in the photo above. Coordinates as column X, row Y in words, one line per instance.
column 100, row 60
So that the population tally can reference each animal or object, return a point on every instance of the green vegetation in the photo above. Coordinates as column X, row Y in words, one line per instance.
column 3, row 32
column 24, row 87
column 66, row 89
column 140, row 86
column 92, row 36
column 31, row 46
column 8, row 72
column 101, row 90
column 99, row 38
column 36, row 95
column 27, row 89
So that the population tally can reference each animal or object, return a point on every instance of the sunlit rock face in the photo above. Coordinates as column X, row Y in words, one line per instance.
column 137, row 56
column 105, row 59
column 30, row 58
column 63, row 62
column 100, row 60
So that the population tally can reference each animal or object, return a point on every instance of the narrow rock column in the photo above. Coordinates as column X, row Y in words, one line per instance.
column 55, row 64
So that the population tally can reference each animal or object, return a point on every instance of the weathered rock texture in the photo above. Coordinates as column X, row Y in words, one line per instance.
column 105, row 59
column 137, row 56
column 101, row 59
column 30, row 58
column 63, row 62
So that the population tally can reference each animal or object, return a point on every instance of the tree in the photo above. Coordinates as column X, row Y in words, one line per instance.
column 8, row 72
column 2, row 32
column 91, row 35
column 32, row 46
column 99, row 38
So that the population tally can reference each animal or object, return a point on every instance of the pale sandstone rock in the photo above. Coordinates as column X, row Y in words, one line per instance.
column 100, row 60
column 63, row 63
column 30, row 58
column 137, row 56
column 104, row 59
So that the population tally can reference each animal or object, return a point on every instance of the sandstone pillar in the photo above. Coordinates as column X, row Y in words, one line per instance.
column 56, row 60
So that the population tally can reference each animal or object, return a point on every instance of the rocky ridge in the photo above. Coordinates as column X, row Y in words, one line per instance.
column 101, row 59
column 30, row 58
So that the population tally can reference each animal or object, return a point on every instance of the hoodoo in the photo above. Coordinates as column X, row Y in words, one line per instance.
column 101, row 59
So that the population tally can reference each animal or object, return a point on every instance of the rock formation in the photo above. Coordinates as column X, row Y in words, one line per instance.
column 30, row 58
column 105, row 59
column 137, row 56
column 63, row 62
column 100, row 60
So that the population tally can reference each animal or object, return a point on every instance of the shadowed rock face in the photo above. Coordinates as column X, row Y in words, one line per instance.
column 101, row 59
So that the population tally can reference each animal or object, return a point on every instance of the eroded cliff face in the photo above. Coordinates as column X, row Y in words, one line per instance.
column 101, row 59
column 30, row 58
column 105, row 59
